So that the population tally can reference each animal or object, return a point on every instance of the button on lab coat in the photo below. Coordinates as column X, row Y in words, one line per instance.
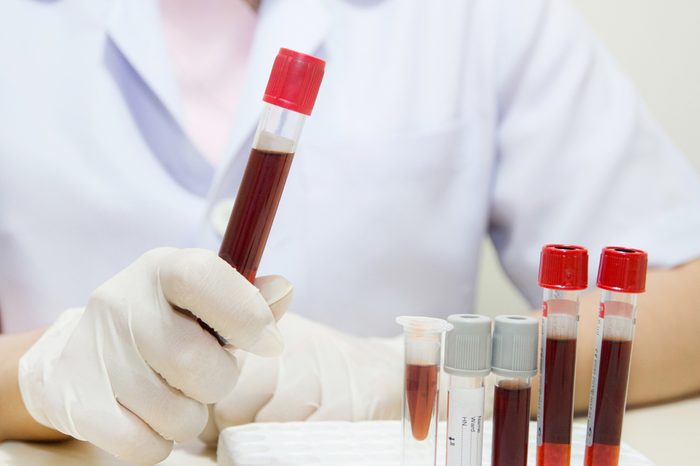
column 437, row 122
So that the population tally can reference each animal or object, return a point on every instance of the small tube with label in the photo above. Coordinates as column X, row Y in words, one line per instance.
column 563, row 275
column 423, row 338
column 514, row 361
column 621, row 277
column 467, row 361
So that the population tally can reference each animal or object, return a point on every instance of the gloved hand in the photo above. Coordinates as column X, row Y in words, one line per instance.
column 321, row 375
column 130, row 374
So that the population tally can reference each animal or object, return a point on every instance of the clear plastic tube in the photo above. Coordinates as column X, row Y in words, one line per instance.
column 289, row 97
column 557, row 369
column 260, row 192
column 514, row 361
column 261, row 188
column 616, row 322
column 423, row 338
column 511, row 421
column 621, row 277
column 467, row 361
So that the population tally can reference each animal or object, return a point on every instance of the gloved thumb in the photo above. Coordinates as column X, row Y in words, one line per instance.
column 277, row 291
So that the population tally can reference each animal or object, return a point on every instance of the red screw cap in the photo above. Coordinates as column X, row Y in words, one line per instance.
column 622, row 269
column 564, row 267
column 294, row 81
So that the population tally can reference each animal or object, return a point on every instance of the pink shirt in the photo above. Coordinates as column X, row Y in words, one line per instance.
column 208, row 42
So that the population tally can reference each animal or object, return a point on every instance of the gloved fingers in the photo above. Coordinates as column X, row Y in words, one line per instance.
column 341, row 396
column 31, row 371
column 277, row 292
column 374, row 397
column 298, row 393
column 339, row 405
column 123, row 434
column 380, row 391
column 187, row 357
column 166, row 410
column 209, row 436
column 203, row 283
column 385, row 401
column 254, row 389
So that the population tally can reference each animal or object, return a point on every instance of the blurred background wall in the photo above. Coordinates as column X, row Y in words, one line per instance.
column 657, row 42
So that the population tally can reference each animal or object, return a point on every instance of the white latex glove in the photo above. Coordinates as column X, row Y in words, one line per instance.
column 321, row 375
column 130, row 374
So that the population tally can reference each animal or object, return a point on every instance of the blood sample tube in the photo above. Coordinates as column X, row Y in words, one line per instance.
column 621, row 277
column 514, row 362
column 563, row 274
column 422, row 354
column 289, row 98
column 467, row 361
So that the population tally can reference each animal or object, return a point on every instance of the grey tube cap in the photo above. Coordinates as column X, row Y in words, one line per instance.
column 515, row 346
column 468, row 346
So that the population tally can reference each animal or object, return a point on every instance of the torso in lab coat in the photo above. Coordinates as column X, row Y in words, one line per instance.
column 385, row 205
column 389, row 196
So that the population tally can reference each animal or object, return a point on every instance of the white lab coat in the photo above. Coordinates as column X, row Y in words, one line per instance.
column 437, row 122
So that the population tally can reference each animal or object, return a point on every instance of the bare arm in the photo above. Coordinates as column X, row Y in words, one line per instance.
column 666, row 354
column 15, row 422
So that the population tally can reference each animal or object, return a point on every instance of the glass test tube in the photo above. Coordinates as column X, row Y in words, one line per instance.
column 563, row 274
column 289, row 98
column 514, row 361
column 621, row 277
column 467, row 361
column 423, row 356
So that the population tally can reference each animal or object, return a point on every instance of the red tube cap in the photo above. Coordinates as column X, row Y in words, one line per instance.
column 294, row 81
column 564, row 267
column 622, row 269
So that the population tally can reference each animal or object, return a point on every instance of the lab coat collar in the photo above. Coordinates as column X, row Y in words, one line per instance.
column 297, row 24
column 134, row 26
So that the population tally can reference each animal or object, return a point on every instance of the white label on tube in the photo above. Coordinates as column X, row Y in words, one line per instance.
column 594, row 383
column 465, row 418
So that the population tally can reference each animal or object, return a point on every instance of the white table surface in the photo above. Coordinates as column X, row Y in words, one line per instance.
column 668, row 434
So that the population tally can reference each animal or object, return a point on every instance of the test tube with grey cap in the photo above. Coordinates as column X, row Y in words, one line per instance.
column 514, row 362
column 467, row 361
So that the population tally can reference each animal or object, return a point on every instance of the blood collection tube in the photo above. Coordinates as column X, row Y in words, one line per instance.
column 514, row 362
column 621, row 277
column 467, row 361
column 563, row 274
column 289, row 98
column 422, row 354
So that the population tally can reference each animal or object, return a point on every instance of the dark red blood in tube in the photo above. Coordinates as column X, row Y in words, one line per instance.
column 421, row 392
column 254, row 210
column 511, row 422
column 610, row 403
column 560, row 360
